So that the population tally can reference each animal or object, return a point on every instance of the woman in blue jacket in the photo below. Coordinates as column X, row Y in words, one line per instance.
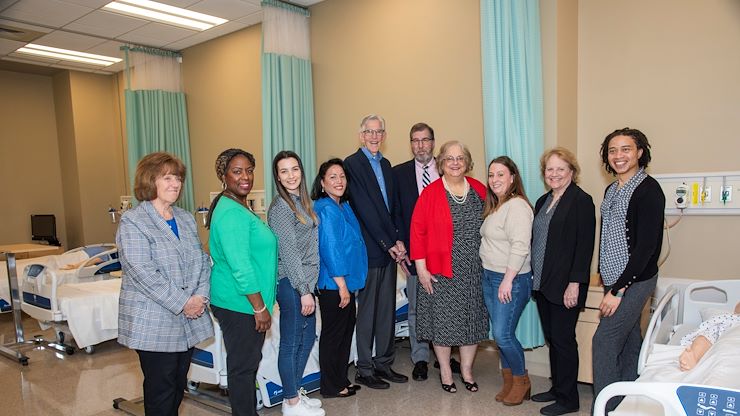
column 342, row 272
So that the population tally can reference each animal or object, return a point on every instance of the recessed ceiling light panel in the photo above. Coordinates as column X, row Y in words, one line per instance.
column 67, row 55
column 159, row 12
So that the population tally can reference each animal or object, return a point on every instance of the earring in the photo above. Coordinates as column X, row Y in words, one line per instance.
column 223, row 186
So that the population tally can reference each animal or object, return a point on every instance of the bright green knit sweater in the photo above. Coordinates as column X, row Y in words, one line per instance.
column 244, row 252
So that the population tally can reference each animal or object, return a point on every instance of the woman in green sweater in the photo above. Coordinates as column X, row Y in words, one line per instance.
column 243, row 276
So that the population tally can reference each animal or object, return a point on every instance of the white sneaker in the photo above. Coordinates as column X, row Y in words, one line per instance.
column 301, row 409
column 309, row 401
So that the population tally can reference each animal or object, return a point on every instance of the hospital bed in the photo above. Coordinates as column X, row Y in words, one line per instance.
column 662, row 388
column 76, row 294
column 208, row 364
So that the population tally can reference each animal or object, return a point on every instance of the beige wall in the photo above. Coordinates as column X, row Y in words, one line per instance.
column 69, row 173
column 99, row 152
column 223, row 86
column 670, row 68
column 29, row 156
column 409, row 61
column 61, row 151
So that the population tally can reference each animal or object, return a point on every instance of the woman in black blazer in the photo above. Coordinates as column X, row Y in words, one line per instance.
column 562, row 246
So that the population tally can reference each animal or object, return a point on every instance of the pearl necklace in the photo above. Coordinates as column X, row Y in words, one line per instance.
column 457, row 199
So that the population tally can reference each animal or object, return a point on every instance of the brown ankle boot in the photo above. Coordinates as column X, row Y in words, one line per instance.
column 520, row 390
column 508, row 380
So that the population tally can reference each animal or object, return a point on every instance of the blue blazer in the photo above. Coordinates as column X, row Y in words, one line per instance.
column 160, row 274
column 380, row 225
column 341, row 247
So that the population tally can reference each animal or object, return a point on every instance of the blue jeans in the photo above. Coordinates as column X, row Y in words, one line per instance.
column 505, row 316
column 297, row 336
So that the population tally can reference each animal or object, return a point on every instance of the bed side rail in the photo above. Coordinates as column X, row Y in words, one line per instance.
column 661, row 323
column 676, row 398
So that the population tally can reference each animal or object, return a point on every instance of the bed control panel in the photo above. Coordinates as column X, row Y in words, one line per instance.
column 707, row 401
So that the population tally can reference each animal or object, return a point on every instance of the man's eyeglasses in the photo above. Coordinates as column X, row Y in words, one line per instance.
column 379, row 132
column 424, row 140
column 451, row 159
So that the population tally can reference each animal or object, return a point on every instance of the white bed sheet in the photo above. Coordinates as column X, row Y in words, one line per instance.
column 91, row 310
column 719, row 367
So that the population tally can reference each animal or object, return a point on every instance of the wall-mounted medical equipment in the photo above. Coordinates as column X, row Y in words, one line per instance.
column 126, row 204
column 701, row 193
column 682, row 196
column 202, row 213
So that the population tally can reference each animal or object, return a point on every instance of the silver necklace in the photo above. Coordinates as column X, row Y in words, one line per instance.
column 457, row 199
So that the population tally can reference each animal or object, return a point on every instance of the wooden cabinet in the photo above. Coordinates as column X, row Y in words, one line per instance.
column 588, row 321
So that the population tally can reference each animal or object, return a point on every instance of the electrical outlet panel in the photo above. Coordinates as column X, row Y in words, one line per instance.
column 702, row 193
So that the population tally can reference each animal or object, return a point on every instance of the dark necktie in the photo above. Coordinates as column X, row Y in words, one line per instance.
column 425, row 178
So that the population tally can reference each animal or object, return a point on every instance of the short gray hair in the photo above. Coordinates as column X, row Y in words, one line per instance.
column 443, row 153
column 370, row 117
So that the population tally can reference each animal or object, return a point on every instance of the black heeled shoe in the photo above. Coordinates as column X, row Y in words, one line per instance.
column 449, row 388
column 472, row 387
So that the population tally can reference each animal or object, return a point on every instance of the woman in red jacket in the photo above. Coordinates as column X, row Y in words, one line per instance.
column 445, row 238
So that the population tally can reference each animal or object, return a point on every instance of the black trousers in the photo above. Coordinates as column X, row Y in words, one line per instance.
column 165, row 378
column 559, row 326
column 243, row 354
column 376, row 320
column 337, row 326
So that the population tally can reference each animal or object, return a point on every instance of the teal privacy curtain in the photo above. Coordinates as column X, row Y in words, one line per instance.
column 156, row 112
column 512, row 105
column 287, row 88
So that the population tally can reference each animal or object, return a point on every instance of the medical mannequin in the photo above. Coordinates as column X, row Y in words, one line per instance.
column 698, row 342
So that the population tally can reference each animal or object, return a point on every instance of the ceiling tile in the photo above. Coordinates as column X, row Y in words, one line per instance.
column 32, row 58
column 96, row 4
column 156, row 34
column 66, row 40
column 179, row 3
column 24, row 26
column 6, row 3
column 102, row 23
column 109, row 48
column 46, row 12
column 7, row 46
column 115, row 67
column 225, row 9
column 25, row 61
column 252, row 19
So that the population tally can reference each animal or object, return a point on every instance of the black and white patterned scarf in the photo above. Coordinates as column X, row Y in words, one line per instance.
column 614, row 250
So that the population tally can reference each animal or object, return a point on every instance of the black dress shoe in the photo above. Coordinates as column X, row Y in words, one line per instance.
column 390, row 375
column 420, row 371
column 348, row 393
column 454, row 365
column 544, row 397
column 556, row 409
column 374, row 382
column 354, row 387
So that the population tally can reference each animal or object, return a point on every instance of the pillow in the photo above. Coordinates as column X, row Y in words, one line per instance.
column 709, row 313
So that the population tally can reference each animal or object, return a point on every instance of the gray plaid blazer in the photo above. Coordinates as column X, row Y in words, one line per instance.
column 160, row 273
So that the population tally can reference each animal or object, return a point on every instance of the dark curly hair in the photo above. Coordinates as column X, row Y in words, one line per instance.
column 641, row 141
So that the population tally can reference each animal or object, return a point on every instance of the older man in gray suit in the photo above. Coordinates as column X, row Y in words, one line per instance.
column 165, row 283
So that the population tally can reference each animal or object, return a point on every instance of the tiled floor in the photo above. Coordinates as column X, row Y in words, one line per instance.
column 83, row 384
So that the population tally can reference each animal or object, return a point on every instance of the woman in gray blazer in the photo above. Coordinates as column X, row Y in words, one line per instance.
column 165, row 283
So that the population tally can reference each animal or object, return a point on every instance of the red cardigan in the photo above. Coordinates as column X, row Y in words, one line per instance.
column 431, row 227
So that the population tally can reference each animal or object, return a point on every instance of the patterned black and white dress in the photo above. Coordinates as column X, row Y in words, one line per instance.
column 455, row 314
